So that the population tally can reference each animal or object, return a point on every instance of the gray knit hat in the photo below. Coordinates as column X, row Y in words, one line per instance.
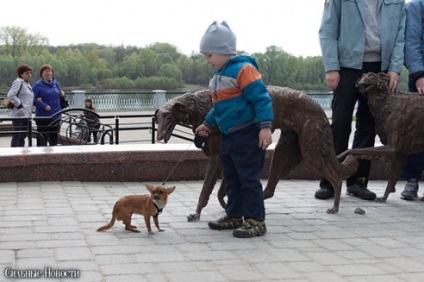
column 218, row 39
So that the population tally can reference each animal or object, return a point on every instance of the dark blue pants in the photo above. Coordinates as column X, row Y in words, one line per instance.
column 345, row 97
column 49, row 131
column 415, row 162
column 242, row 161
column 18, row 139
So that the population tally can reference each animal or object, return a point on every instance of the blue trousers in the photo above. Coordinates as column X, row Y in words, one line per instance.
column 242, row 162
column 415, row 162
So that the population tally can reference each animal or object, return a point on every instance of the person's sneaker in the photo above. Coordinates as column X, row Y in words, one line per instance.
column 226, row 222
column 250, row 228
column 410, row 191
column 324, row 193
column 359, row 189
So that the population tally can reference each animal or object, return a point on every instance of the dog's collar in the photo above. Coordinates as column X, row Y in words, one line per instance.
column 158, row 210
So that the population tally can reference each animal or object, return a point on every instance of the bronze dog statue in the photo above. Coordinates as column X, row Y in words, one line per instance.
column 399, row 119
column 305, row 135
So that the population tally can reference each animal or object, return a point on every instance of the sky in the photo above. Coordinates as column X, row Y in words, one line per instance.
column 289, row 24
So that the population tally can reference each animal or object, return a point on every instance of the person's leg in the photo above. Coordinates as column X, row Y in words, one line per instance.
column 364, row 137
column 342, row 106
column 18, row 139
column 42, row 129
column 53, row 135
column 233, row 208
column 95, row 133
column 414, row 165
column 412, row 174
column 89, row 135
column 248, row 161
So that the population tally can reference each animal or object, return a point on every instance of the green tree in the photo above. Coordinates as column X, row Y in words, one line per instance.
column 17, row 41
column 171, row 71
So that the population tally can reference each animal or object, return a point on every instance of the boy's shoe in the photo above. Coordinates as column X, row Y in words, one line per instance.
column 324, row 193
column 250, row 228
column 359, row 189
column 410, row 191
column 226, row 222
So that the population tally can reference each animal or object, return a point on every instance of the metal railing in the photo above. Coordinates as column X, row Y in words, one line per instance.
column 112, row 129
column 138, row 101
column 114, row 125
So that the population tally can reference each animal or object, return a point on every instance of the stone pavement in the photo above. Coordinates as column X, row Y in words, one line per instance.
column 50, row 227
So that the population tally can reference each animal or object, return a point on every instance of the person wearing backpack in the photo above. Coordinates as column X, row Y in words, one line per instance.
column 22, row 98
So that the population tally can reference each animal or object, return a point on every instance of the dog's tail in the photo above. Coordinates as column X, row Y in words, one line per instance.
column 348, row 167
column 107, row 226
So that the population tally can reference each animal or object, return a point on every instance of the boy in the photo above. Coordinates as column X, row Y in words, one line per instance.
column 242, row 110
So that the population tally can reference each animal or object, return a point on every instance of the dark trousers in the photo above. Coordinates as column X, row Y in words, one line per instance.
column 242, row 161
column 93, row 129
column 18, row 139
column 345, row 97
column 415, row 162
column 49, row 131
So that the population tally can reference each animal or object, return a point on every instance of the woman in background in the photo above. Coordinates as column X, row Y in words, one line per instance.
column 47, row 95
column 92, row 120
column 22, row 98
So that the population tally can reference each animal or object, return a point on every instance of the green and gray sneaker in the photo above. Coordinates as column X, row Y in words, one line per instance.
column 226, row 222
column 250, row 228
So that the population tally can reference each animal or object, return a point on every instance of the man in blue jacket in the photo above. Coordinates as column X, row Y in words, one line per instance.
column 357, row 37
column 414, row 62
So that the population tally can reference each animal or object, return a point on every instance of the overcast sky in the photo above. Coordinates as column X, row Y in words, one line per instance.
column 290, row 24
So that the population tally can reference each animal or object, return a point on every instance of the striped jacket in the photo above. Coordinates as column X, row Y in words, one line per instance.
column 239, row 97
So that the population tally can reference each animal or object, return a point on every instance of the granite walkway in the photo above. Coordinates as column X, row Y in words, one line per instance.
column 47, row 229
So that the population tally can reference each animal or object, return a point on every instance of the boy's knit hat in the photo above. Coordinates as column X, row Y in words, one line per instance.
column 218, row 39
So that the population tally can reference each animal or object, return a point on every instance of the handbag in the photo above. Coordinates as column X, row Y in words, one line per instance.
column 63, row 102
column 6, row 101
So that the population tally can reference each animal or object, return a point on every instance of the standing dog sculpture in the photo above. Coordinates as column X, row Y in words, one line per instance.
column 305, row 135
column 148, row 205
column 399, row 120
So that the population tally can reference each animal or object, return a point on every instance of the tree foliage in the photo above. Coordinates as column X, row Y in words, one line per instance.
column 157, row 66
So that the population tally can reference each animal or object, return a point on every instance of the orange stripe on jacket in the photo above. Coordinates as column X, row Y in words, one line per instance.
column 247, row 75
column 227, row 93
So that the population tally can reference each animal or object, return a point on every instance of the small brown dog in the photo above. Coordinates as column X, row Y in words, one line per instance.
column 148, row 205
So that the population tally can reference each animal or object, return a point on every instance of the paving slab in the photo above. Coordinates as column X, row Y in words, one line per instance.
column 51, row 227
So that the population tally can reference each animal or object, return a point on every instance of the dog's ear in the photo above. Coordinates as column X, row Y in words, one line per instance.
column 170, row 190
column 149, row 187
column 360, row 80
column 181, row 110
column 383, row 81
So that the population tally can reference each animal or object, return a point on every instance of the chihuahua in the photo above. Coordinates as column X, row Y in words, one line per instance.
column 148, row 205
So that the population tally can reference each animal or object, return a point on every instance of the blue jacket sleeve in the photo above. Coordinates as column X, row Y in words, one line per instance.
column 414, row 58
column 328, row 36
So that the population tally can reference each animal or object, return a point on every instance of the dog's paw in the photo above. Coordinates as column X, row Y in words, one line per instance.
column 332, row 210
column 193, row 217
column 380, row 200
column 268, row 194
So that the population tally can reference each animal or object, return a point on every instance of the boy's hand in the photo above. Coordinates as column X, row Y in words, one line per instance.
column 202, row 130
column 265, row 138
